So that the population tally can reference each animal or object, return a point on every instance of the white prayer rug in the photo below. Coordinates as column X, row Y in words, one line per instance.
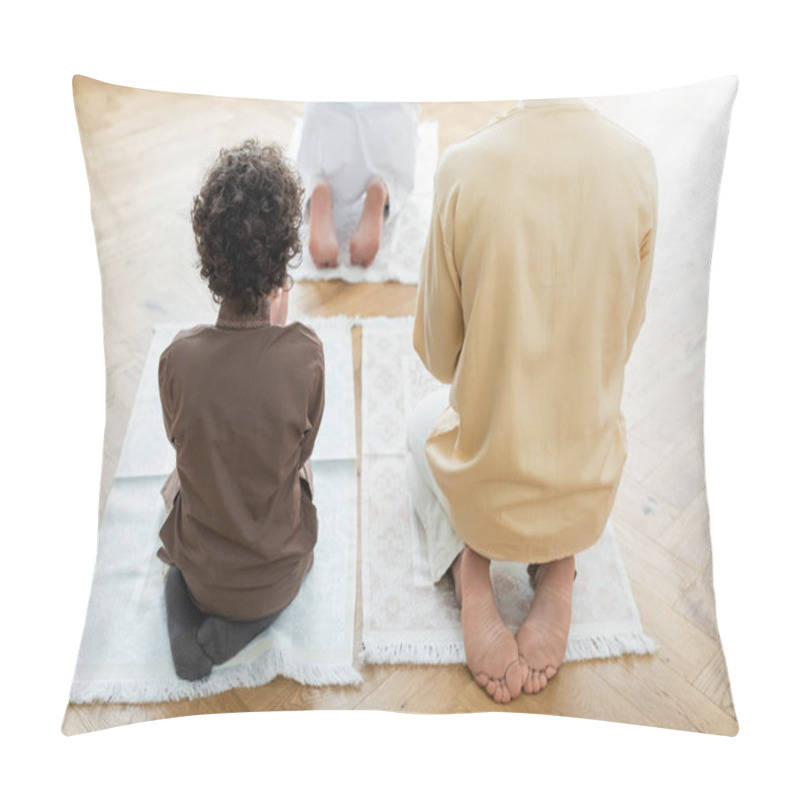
column 404, row 234
column 406, row 618
column 125, row 653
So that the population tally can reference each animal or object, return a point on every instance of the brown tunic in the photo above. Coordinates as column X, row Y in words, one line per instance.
column 242, row 403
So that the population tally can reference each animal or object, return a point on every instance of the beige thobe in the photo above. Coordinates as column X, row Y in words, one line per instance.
column 242, row 403
column 531, row 295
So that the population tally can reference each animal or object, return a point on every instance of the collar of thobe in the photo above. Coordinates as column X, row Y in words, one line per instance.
column 571, row 101
column 230, row 317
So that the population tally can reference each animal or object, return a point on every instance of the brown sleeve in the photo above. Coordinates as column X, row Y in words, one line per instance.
column 170, row 490
column 314, row 408
column 164, row 393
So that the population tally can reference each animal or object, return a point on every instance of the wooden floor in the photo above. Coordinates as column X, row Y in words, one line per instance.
column 148, row 154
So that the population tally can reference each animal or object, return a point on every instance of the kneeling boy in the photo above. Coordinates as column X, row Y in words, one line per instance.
column 242, row 401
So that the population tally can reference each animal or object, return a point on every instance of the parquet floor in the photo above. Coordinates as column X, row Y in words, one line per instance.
column 148, row 153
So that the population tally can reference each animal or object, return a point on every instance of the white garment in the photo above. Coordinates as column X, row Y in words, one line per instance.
column 443, row 543
column 348, row 144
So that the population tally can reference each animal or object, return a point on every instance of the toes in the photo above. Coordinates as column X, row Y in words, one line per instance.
column 324, row 256
column 537, row 679
column 496, row 689
column 527, row 687
column 536, row 682
column 531, row 683
column 515, row 676
column 499, row 693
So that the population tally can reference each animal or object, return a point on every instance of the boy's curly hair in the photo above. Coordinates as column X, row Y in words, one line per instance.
column 246, row 223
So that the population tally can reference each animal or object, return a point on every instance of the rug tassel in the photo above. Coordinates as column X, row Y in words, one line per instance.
column 417, row 653
column 249, row 676
column 583, row 649
column 609, row 646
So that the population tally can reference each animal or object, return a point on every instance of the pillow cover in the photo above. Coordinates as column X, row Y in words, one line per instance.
column 146, row 153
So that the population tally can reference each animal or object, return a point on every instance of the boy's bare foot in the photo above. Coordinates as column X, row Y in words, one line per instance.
column 322, row 242
column 542, row 638
column 366, row 240
column 491, row 651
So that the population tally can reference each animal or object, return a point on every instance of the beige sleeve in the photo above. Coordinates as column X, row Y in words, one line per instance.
column 439, row 319
column 646, row 250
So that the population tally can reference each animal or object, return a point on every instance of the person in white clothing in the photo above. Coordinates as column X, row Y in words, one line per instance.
column 355, row 157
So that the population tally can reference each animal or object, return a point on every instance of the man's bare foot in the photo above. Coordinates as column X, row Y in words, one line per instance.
column 491, row 651
column 542, row 638
column 322, row 242
column 366, row 240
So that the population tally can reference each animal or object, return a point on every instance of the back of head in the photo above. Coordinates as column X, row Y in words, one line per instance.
column 246, row 222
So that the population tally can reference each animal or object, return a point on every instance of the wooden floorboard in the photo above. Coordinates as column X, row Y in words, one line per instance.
column 713, row 684
column 148, row 152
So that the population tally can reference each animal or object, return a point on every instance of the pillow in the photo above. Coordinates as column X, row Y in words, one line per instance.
column 146, row 153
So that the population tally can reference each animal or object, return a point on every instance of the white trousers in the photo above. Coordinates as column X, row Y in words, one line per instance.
column 348, row 144
column 444, row 544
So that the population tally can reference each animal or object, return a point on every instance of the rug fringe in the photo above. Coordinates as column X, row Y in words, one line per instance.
column 609, row 646
column 329, row 322
column 412, row 653
column 385, row 323
column 583, row 649
column 244, row 677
